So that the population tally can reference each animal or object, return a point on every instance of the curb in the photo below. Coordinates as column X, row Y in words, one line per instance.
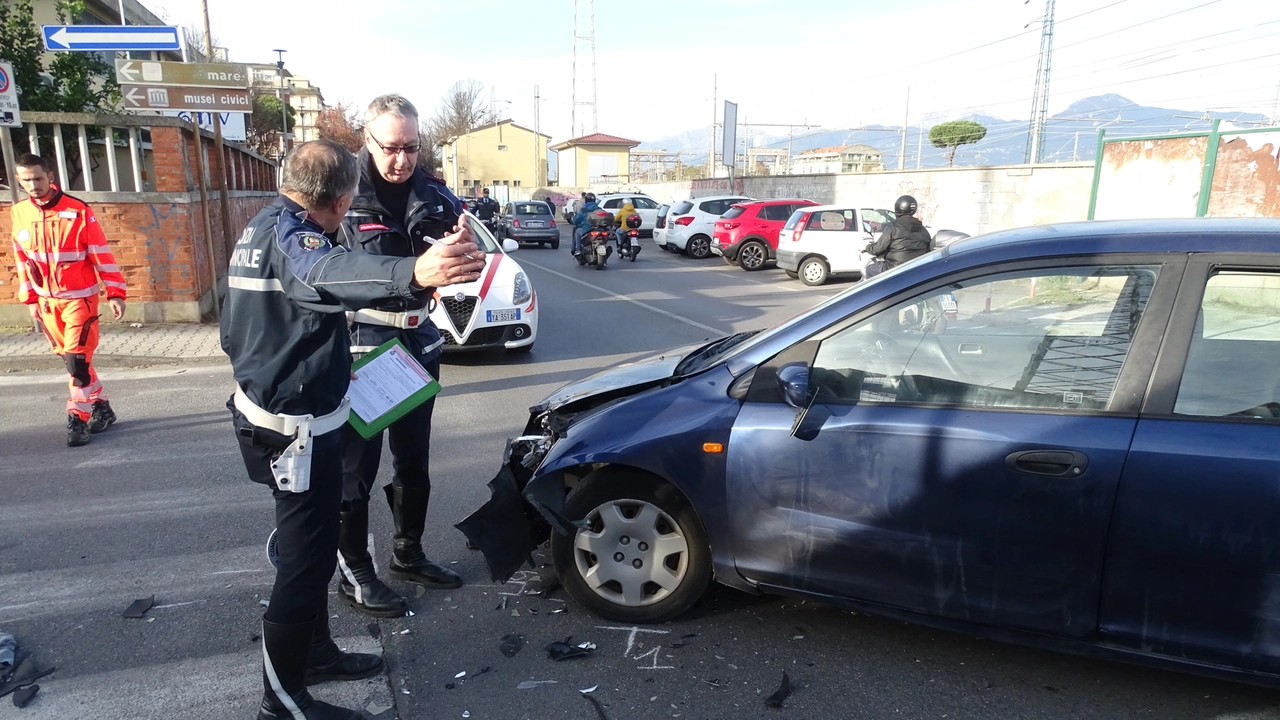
column 44, row 363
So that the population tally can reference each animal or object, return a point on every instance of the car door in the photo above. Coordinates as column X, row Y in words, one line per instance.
column 833, row 234
column 981, row 493
column 648, row 211
column 1193, row 566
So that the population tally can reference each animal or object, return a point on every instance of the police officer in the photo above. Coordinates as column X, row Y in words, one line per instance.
column 904, row 239
column 284, row 329
column 398, row 210
column 486, row 208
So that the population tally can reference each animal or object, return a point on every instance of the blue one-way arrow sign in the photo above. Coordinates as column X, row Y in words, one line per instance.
column 110, row 37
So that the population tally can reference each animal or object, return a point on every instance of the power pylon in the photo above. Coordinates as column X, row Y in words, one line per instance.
column 1040, row 100
column 578, row 39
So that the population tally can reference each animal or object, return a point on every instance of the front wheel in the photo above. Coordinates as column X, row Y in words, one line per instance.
column 814, row 271
column 641, row 555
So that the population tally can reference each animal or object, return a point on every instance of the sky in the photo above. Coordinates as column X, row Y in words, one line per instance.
column 662, row 66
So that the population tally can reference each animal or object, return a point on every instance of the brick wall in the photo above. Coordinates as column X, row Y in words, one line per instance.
column 158, row 238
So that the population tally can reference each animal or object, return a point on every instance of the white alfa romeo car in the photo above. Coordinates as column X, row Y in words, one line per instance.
column 498, row 311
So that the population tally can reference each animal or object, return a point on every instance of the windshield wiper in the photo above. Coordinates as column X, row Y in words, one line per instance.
column 710, row 350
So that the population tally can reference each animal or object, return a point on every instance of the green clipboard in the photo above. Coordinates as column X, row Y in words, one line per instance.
column 368, row 430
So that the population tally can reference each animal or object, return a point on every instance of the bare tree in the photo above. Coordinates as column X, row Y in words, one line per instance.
column 461, row 110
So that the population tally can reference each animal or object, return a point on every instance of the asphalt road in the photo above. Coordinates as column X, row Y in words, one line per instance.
column 159, row 505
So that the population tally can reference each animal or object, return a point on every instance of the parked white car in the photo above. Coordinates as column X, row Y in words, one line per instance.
column 646, row 207
column 497, row 311
column 660, row 231
column 824, row 240
column 691, row 224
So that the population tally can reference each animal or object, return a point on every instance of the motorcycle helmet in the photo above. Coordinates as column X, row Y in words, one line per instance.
column 905, row 205
column 633, row 221
column 588, row 197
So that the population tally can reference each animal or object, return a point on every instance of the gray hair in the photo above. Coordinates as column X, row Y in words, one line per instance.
column 321, row 171
column 392, row 104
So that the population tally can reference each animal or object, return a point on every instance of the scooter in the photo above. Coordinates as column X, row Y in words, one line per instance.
column 595, row 244
column 629, row 239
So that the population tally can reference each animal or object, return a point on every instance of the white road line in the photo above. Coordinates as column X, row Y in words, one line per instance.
column 646, row 306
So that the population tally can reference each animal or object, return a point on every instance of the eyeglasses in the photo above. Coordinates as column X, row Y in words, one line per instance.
column 395, row 149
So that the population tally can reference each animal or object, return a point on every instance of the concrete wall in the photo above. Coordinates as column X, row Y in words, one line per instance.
column 972, row 200
column 158, row 238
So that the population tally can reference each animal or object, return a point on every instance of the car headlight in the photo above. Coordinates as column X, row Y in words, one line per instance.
column 523, row 290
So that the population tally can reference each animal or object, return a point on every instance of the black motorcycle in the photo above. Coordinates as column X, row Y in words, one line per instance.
column 595, row 244
column 628, row 238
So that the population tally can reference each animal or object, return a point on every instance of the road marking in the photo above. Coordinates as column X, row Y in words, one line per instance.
column 646, row 306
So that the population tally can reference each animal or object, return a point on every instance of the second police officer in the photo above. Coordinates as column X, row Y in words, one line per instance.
column 398, row 211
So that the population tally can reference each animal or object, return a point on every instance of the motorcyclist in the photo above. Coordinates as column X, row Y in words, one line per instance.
column 620, row 232
column 486, row 208
column 581, row 221
column 904, row 239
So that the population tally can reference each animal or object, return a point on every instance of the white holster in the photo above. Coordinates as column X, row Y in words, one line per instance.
column 292, row 470
column 402, row 320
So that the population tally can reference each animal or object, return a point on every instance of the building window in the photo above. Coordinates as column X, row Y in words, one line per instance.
column 466, row 183
column 502, row 148
column 504, row 182
column 516, row 183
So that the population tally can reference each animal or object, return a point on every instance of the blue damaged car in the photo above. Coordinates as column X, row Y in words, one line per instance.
column 1066, row 436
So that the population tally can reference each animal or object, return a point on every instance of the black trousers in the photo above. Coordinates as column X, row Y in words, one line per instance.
column 306, row 523
column 410, row 441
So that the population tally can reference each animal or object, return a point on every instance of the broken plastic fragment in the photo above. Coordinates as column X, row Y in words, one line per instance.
column 531, row 684
column 590, row 689
column 483, row 670
column 780, row 695
column 419, row 591
column 515, row 613
column 587, row 645
column 23, row 695
column 449, row 686
column 375, row 630
column 403, row 691
column 408, row 613
column 139, row 607
column 557, row 612
column 403, row 632
column 264, row 603
column 461, row 674
column 511, row 644
column 374, row 708
column 466, row 713
column 564, row 651
column 596, row 704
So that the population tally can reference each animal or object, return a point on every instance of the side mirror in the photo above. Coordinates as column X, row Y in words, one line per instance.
column 793, row 383
column 510, row 246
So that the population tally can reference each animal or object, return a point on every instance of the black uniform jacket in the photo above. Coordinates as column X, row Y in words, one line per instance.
column 283, row 321
column 904, row 239
column 432, row 212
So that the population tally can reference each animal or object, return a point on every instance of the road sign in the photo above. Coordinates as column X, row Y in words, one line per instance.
column 144, row 72
column 9, row 116
column 157, row 97
column 110, row 37
column 233, row 125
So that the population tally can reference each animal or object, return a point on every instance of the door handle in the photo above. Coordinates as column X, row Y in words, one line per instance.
column 971, row 348
column 1054, row 463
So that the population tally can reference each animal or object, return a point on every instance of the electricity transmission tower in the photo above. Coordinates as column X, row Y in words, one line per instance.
column 578, row 39
column 1040, row 100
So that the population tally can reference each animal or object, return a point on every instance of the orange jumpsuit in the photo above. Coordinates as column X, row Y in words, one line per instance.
column 63, row 259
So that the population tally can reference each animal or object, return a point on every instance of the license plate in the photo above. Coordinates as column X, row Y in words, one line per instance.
column 502, row 315
column 948, row 302
column 602, row 250
column 536, row 224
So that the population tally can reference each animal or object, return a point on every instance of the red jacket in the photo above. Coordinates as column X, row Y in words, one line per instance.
column 61, row 251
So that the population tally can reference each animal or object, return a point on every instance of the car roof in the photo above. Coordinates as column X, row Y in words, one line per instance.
column 745, row 198
column 1183, row 235
column 622, row 194
column 818, row 208
column 776, row 201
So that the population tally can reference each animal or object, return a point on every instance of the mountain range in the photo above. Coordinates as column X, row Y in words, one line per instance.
column 1069, row 135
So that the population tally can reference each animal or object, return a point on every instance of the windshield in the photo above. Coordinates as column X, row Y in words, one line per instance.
column 530, row 208
column 682, row 209
column 484, row 238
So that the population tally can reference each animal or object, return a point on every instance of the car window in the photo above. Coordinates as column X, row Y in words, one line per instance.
column 776, row 213
column 1053, row 339
column 733, row 212
column 663, row 210
column 833, row 220
column 682, row 209
column 794, row 220
column 613, row 203
column 644, row 203
column 530, row 208
column 715, row 207
column 873, row 221
column 1231, row 368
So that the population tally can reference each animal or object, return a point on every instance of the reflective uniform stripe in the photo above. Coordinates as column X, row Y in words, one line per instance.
column 255, row 284
column 285, row 698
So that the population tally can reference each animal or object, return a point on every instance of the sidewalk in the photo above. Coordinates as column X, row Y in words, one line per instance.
column 120, row 345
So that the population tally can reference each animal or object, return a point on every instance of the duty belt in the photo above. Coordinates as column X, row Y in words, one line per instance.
column 402, row 320
column 292, row 470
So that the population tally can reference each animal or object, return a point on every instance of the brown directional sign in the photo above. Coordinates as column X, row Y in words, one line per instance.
column 153, row 97
column 146, row 72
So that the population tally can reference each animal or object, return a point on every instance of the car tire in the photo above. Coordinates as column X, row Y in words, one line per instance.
column 699, row 247
column 727, row 260
column 814, row 271
column 753, row 255
column 555, row 244
column 630, row 495
column 792, row 274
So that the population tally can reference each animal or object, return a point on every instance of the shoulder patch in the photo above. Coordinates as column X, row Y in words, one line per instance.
column 68, row 214
column 366, row 227
column 312, row 241
column 24, row 235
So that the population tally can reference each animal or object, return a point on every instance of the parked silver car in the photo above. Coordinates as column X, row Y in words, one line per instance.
column 529, row 221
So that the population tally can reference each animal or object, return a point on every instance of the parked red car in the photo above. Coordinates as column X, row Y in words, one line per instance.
column 747, row 235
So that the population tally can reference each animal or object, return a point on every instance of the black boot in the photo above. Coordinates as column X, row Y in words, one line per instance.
column 325, row 661
column 101, row 417
column 359, row 584
column 284, row 667
column 408, row 562
column 77, row 431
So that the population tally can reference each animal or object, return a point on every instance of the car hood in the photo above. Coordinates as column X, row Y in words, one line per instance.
column 622, row 380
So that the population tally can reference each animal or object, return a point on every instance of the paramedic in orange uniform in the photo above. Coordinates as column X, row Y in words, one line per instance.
column 63, row 259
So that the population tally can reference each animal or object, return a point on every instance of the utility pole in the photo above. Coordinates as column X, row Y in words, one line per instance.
column 591, row 9
column 537, row 139
column 711, row 154
column 902, row 159
column 284, row 106
column 1040, row 100
column 224, row 203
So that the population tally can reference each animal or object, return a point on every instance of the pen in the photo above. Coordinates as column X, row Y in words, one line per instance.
column 436, row 241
